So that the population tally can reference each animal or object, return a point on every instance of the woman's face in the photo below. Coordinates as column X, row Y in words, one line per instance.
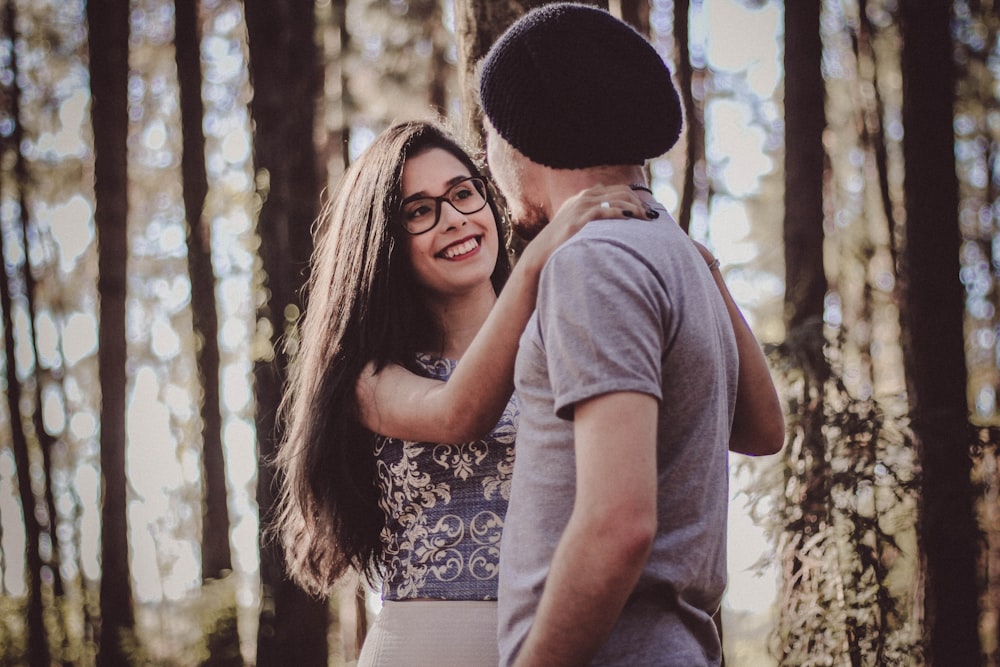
column 460, row 252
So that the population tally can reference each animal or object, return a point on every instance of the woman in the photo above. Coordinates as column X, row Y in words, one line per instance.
column 410, row 258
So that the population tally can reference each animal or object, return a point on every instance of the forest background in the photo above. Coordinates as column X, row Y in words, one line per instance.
column 162, row 162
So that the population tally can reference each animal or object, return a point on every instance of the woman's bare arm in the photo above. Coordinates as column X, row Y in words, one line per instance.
column 758, row 421
column 401, row 404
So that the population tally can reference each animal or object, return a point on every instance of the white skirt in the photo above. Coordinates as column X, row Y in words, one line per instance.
column 435, row 633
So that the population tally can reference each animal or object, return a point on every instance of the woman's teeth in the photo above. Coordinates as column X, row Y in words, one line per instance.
column 460, row 249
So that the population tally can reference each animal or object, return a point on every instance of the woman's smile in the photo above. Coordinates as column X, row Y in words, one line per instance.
column 462, row 249
column 467, row 242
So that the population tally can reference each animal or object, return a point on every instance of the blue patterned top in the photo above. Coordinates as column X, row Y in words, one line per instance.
column 444, row 507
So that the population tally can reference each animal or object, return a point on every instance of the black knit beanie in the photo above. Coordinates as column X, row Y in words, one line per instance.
column 570, row 87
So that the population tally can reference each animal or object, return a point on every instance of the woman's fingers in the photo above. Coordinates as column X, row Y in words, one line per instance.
column 615, row 201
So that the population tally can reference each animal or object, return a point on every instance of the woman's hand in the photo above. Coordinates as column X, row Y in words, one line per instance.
column 600, row 202
column 398, row 403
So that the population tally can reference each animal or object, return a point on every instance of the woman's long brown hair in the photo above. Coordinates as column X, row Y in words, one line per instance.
column 364, row 304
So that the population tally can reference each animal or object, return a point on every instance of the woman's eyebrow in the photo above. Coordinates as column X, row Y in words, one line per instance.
column 450, row 182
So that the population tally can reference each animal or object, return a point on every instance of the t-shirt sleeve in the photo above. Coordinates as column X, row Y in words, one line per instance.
column 602, row 316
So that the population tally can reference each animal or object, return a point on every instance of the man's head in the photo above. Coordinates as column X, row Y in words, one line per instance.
column 569, row 86
column 572, row 87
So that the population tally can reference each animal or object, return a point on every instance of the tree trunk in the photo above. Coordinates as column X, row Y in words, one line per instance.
column 807, row 461
column 933, row 344
column 805, row 119
column 874, row 133
column 286, row 78
column 805, row 279
column 333, row 136
column 216, row 557
column 437, row 94
column 636, row 14
column 689, row 79
column 478, row 23
column 38, row 642
column 46, row 443
column 108, row 44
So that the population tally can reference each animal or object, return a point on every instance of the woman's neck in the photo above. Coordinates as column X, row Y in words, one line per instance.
column 461, row 316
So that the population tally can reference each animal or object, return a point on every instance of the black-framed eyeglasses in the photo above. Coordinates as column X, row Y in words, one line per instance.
column 423, row 213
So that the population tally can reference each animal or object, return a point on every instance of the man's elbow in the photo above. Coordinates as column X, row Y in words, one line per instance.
column 629, row 537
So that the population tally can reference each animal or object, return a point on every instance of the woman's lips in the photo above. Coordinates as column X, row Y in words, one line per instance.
column 461, row 248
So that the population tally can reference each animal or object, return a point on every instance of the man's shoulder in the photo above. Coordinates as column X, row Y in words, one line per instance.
column 621, row 246
column 628, row 237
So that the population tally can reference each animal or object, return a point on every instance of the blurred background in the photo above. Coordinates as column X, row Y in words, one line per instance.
column 161, row 165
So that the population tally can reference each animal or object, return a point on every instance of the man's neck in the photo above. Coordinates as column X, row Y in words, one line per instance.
column 561, row 184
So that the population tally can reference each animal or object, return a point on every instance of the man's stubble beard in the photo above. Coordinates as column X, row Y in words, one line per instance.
column 528, row 220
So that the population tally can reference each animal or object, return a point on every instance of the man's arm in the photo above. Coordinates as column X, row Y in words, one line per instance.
column 609, row 535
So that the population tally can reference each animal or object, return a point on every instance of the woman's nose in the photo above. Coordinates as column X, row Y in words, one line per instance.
column 451, row 216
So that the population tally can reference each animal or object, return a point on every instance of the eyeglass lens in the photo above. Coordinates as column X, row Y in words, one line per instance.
column 466, row 196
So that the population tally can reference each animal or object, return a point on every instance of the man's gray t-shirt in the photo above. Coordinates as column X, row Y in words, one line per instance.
column 627, row 306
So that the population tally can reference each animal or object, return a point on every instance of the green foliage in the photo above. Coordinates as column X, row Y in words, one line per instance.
column 986, row 485
column 13, row 633
column 219, row 623
column 199, row 629
column 841, row 508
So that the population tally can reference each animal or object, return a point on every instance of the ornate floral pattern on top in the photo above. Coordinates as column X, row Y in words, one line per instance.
column 444, row 507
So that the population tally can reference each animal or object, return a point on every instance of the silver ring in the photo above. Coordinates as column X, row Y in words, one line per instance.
column 605, row 204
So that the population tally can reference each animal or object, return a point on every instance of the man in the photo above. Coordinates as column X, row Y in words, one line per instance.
column 614, row 543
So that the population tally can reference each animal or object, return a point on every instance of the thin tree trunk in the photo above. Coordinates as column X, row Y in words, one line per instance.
column 933, row 341
column 689, row 80
column 636, row 14
column 216, row 557
column 805, row 119
column 286, row 78
column 332, row 138
column 46, row 442
column 805, row 161
column 346, row 102
column 440, row 67
column 805, row 283
column 216, row 554
column 38, row 642
column 873, row 114
column 108, row 24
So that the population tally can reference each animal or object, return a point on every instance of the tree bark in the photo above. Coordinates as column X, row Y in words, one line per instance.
column 874, row 133
column 38, row 643
column 216, row 556
column 689, row 79
column 47, row 525
column 108, row 24
column 437, row 94
column 807, row 461
column 636, row 14
column 286, row 78
column 933, row 341
column 805, row 120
